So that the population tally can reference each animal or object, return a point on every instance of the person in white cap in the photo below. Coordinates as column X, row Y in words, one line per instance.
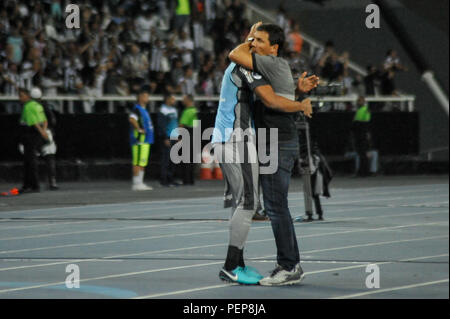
column 48, row 150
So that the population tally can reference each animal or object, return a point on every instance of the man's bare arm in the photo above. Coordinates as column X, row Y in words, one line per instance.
column 41, row 129
column 276, row 102
column 135, row 124
column 241, row 55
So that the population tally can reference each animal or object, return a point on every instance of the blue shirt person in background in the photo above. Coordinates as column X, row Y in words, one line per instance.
column 167, row 129
column 141, row 138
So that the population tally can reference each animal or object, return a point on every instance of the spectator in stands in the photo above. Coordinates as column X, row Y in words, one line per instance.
column 15, row 41
column 392, row 62
column 11, row 84
column 295, row 39
column 161, row 84
column 129, row 33
column 372, row 84
column 176, row 72
column 391, row 65
column 319, row 54
column 185, row 47
column 145, row 27
column 282, row 19
column 333, row 65
column 371, row 80
column 135, row 67
column 187, row 82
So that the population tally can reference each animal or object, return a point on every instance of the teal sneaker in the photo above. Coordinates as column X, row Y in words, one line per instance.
column 238, row 275
column 253, row 272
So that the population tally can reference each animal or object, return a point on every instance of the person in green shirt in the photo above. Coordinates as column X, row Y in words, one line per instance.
column 33, row 124
column 187, row 119
column 361, row 134
column 182, row 14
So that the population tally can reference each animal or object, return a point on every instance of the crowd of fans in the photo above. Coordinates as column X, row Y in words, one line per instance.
column 174, row 46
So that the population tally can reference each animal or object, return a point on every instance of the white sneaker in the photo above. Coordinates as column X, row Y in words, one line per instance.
column 141, row 187
column 282, row 277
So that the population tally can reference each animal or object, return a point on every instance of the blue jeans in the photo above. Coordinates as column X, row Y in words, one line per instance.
column 275, row 189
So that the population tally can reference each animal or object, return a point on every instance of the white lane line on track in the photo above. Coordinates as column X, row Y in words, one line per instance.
column 379, row 291
column 196, row 233
column 369, row 191
column 215, row 245
column 184, row 213
column 333, row 219
column 9, row 227
column 148, row 226
column 207, row 264
column 178, row 292
column 105, row 230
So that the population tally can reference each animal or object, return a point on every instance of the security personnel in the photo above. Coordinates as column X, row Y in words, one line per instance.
column 33, row 126
column 187, row 119
column 361, row 131
column 48, row 151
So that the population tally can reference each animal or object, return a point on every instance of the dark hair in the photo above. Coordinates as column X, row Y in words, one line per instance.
column 329, row 43
column 167, row 95
column 276, row 35
column 144, row 89
column 190, row 97
column 24, row 90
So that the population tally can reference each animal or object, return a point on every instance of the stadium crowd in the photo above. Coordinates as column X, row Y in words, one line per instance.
column 174, row 46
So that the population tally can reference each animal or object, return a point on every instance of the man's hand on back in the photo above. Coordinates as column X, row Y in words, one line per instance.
column 307, row 107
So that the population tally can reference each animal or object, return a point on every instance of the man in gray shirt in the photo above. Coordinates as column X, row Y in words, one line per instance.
column 260, row 54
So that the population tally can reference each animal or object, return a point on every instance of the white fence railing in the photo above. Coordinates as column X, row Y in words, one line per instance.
column 405, row 102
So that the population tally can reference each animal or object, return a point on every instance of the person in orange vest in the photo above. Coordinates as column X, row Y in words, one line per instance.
column 295, row 39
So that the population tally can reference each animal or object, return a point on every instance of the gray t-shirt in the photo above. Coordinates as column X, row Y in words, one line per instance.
column 277, row 72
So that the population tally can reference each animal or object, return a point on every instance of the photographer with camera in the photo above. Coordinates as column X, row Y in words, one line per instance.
column 313, row 167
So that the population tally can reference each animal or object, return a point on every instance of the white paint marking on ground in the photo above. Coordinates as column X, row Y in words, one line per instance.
column 177, row 292
column 120, row 275
column 379, row 291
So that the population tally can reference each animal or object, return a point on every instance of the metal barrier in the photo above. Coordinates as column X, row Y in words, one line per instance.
column 406, row 102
